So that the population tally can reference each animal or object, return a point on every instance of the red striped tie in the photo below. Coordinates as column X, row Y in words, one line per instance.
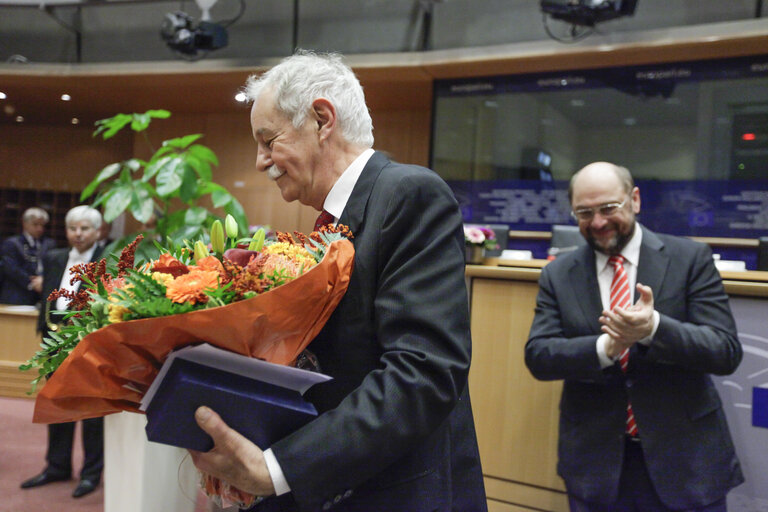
column 323, row 219
column 621, row 298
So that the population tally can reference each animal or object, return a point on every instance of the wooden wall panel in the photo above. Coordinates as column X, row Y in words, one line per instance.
column 55, row 157
column 516, row 416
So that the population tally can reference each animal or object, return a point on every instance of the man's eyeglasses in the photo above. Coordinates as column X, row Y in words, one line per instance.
column 605, row 210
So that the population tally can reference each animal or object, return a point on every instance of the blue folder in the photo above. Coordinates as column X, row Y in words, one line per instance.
column 260, row 411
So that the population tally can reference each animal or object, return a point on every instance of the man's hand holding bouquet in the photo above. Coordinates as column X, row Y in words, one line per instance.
column 268, row 300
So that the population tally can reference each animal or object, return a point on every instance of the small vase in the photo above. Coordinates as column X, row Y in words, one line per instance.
column 473, row 254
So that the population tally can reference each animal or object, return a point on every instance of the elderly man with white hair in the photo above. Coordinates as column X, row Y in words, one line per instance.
column 83, row 224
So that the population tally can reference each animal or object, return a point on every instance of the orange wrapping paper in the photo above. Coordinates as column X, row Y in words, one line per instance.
column 110, row 369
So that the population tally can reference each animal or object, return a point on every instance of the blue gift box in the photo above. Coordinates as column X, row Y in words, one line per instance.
column 261, row 411
column 760, row 407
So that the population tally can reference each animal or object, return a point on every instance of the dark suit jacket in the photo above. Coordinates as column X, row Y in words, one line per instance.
column 685, row 439
column 54, row 266
column 18, row 265
column 395, row 430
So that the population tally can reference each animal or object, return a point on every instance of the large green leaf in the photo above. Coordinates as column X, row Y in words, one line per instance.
column 188, row 189
column 170, row 177
column 201, row 167
column 221, row 197
column 142, row 205
column 204, row 153
column 119, row 201
column 154, row 166
column 106, row 173
column 182, row 142
column 196, row 216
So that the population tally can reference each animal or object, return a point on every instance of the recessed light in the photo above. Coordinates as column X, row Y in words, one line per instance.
column 75, row 120
column 19, row 119
column 3, row 95
column 65, row 97
column 240, row 97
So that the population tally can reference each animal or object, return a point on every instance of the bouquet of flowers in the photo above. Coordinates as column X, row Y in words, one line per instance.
column 268, row 300
column 480, row 236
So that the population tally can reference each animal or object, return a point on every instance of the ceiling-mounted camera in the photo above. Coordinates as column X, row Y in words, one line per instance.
column 181, row 34
column 588, row 12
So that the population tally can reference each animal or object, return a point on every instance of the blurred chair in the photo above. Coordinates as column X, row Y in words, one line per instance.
column 565, row 238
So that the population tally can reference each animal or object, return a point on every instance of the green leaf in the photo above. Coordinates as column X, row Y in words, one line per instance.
column 158, row 114
column 188, row 189
column 110, row 126
column 221, row 197
column 142, row 205
column 121, row 198
column 106, row 173
column 201, row 167
column 182, row 142
column 154, row 166
column 169, row 178
column 140, row 122
column 204, row 153
column 196, row 216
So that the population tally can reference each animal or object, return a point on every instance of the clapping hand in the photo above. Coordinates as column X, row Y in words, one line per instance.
column 626, row 326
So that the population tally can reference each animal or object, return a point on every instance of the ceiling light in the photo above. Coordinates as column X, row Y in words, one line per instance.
column 240, row 97
column 19, row 119
column 65, row 97
column 75, row 120
column 2, row 95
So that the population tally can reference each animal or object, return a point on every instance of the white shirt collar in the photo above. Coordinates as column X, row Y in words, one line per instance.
column 80, row 257
column 631, row 251
column 337, row 198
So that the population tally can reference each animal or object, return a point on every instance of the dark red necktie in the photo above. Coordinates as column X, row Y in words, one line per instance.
column 620, row 298
column 323, row 219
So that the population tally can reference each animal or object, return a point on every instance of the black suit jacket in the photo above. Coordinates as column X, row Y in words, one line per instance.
column 54, row 266
column 395, row 430
column 686, row 443
column 18, row 265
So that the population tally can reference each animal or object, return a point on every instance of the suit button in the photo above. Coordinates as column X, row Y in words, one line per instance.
column 327, row 505
column 336, row 499
column 629, row 382
column 347, row 493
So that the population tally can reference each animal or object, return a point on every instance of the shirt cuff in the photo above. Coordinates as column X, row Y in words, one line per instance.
column 605, row 361
column 648, row 339
column 276, row 473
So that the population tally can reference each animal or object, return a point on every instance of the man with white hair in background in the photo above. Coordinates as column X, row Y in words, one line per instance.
column 83, row 223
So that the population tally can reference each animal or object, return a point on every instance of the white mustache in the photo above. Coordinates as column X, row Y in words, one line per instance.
column 273, row 172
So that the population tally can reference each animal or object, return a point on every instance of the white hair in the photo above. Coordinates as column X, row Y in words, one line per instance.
column 306, row 76
column 35, row 213
column 86, row 213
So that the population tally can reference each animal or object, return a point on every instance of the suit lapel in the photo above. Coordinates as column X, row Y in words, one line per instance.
column 583, row 280
column 653, row 263
column 354, row 211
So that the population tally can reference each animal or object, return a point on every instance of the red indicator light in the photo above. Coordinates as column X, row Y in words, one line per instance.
column 748, row 136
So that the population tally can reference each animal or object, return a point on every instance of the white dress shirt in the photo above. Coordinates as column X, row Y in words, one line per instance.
column 334, row 204
column 75, row 258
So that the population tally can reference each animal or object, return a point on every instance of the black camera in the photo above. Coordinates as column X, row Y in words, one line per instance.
column 180, row 33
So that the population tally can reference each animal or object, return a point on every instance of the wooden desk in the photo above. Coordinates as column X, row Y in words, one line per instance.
column 18, row 342
column 516, row 416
